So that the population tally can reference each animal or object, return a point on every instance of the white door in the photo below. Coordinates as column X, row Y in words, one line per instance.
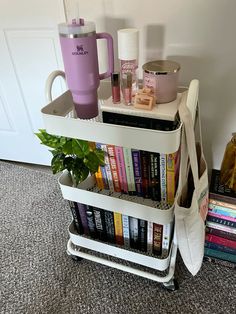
column 29, row 51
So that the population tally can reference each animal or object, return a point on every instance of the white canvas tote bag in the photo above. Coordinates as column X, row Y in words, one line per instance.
column 191, row 203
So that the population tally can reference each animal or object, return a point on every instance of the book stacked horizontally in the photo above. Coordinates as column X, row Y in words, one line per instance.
column 221, row 221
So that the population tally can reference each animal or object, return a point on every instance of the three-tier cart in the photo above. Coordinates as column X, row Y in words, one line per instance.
column 58, row 119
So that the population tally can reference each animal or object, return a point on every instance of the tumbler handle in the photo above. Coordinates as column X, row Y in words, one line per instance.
column 109, row 40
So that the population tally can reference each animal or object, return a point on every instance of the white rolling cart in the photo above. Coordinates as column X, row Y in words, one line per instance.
column 58, row 120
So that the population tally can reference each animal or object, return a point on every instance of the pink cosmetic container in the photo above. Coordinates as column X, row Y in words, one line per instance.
column 162, row 77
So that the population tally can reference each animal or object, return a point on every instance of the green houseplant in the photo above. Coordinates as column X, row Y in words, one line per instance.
column 80, row 158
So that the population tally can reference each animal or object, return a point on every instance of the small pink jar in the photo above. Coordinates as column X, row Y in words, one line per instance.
column 162, row 77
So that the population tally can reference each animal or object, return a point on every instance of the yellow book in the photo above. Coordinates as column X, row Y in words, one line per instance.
column 99, row 180
column 118, row 228
column 172, row 172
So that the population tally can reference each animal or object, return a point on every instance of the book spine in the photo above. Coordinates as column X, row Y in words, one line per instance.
column 220, row 241
column 108, row 168
column 83, row 216
column 228, row 221
column 76, row 216
column 222, row 204
column 91, row 222
column 221, row 233
column 142, row 235
column 218, row 247
column 163, row 177
column 103, row 170
column 145, row 171
column 114, row 168
column 166, row 238
column 121, row 168
column 157, row 239
column 155, row 188
column 109, row 224
column 220, row 227
column 172, row 165
column 125, row 224
column 129, row 170
column 99, row 219
column 221, row 255
column 137, row 171
column 118, row 229
column 220, row 210
column 99, row 180
column 133, row 225
column 150, row 237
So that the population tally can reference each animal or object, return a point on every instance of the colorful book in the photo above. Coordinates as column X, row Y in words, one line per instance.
column 118, row 228
column 220, row 227
column 218, row 247
column 220, row 241
column 220, row 219
column 137, row 171
column 220, row 210
column 145, row 171
column 109, row 224
column 150, row 237
column 91, row 222
column 76, row 217
column 99, row 219
column 219, row 191
column 154, row 178
column 133, row 227
column 83, row 216
column 172, row 173
column 121, row 168
column 157, row 239
column 129, row 170
column 125, row 224
column 142, row 235
column 103, row 170
column 114, row 167
column 108, row 168
column 221, row 255
column 221, row 233
column 99, row 179
column 163, row 177
column 222, row 204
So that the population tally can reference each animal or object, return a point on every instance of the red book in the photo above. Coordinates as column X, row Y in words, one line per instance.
column 221, row 241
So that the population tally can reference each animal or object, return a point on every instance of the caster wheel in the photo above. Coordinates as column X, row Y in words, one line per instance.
column 171, row 285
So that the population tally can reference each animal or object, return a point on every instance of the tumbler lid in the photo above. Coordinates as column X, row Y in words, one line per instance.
column 76, row 29
column 128, row 44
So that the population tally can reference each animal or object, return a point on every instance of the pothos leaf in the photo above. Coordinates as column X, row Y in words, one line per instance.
column 57, row 163
column 92, row 162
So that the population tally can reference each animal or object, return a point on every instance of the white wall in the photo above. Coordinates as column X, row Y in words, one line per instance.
column 200, row 35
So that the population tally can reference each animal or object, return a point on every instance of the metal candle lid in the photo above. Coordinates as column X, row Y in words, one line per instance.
column 161, row 67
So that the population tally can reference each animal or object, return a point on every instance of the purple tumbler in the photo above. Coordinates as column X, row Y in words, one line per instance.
column 79, row 52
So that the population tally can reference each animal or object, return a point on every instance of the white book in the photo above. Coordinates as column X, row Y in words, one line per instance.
column 163, row 177
column 125, row 223
column 129, row 169
column 150, row 237
column 133, row 229
column 166, row 238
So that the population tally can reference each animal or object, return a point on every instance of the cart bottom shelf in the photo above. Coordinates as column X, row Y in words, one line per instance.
column 76, row 242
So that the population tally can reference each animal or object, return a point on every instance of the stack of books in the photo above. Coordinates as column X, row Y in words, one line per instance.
column 125, row 231
column 221, row 221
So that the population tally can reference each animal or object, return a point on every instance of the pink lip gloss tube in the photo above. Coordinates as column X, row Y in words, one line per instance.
column 127, row 88
column 115, row 87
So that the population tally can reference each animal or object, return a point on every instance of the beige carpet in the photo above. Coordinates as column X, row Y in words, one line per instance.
column 38, row 277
